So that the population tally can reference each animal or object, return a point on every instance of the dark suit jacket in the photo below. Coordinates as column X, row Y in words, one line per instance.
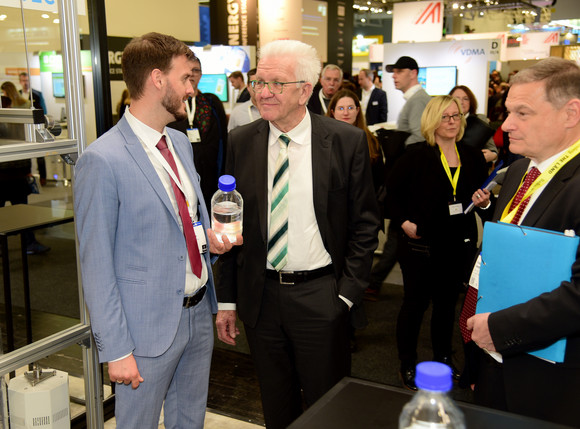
column 314, row 102
column 532, row 386
column 344, row 203
column 377, row 108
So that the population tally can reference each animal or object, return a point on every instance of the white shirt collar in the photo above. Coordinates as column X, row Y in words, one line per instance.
column 542, row 166
column 411, row 91
column 145, row 133
column 296, row 134
column 371, row 89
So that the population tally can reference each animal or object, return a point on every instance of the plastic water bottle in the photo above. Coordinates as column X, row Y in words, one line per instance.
column 431, row 407
column 227, row 208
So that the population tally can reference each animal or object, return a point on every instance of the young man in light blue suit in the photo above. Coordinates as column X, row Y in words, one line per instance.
column 150, row 299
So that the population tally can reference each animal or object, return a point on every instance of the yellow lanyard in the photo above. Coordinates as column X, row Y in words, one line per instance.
column 542, row 179
column 455, row 177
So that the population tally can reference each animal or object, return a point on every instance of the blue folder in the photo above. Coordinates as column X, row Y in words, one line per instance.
column 520, row 263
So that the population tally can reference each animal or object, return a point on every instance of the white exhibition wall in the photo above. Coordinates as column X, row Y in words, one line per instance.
column 471, row 58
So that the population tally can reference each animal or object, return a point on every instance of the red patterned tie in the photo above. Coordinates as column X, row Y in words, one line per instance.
column 471, row 296
column 188, row 232
column 530, row 177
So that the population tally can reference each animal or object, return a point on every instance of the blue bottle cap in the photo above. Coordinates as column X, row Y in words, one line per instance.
column 227, row 183
column 433, row 376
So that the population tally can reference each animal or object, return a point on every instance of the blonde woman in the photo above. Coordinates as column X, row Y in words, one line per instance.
column 430, row 187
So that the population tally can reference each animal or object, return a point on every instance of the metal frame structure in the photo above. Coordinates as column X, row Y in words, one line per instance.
column 79, row 334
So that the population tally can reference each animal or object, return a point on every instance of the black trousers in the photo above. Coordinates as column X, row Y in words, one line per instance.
column 431, row 274
column 300, row 343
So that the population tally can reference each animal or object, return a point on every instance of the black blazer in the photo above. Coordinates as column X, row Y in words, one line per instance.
column 533, row 386
column 344, row 203
column 314, row 102
column 377, row 108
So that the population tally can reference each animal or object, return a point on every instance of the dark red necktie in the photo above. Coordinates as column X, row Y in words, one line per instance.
column 188, row 232
column 530, row 178
column 470, row 303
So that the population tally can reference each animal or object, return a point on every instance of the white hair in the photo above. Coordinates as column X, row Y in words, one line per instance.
column 307, row 66
column 332, row 67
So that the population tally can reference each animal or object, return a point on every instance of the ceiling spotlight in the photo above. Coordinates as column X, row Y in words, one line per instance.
column 45, row 16
column 363, row 20
column 461, row 7
column 3, row 17
column 56, row 21
column 469, row 5
column 389, row 12
column 461, row 15
column 455, row 6
column 481, row 13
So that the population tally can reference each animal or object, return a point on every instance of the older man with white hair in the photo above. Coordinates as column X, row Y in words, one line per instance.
column 310, row 229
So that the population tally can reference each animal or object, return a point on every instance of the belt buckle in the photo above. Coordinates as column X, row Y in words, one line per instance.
column 282, row 282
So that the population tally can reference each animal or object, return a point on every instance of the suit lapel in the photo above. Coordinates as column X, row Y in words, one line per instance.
column 321, row 164
column 553, row 188
column 135, row 149
column 259, row 156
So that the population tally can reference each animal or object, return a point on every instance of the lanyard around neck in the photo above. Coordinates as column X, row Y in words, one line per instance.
column 455, row 179
column 322, row 103
column 542, row 179
column 190, row 111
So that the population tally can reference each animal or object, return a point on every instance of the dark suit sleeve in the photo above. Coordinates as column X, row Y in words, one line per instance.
column 383, row 107
column 363, row 225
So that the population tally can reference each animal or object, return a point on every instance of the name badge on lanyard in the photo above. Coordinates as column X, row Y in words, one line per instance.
column 192, row 132
column 455, row 209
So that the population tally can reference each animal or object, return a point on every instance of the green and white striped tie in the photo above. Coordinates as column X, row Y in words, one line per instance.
column 278, row 233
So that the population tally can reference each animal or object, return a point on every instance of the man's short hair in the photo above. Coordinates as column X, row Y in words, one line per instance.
column 331, row 67
column 368, row 73
column 22, row 74
column 149, row 52
column 251, row 73
column 237, row 75
column 431, row 118
column 561, row 77
column 307, row 61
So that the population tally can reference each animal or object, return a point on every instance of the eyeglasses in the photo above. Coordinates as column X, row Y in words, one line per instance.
column 196, row 72
column 343, row 108
column 447, row 118
column 274, row 87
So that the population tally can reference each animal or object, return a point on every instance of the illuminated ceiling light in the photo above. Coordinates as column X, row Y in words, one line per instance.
column 389, row 12
column 45, row 16
column 461, row 7
column 363, row 20
column 369, row 3
column 3, row 17
column 469, row 5
column 56, row 21
column 355, row 6
column 455, row 6
column 461, row 15
column 481, row 13
column 360, row 36
column 384, row 1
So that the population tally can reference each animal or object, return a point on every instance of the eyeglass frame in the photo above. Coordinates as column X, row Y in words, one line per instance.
column 456, row 117
column 253, row 84
column 349, row 108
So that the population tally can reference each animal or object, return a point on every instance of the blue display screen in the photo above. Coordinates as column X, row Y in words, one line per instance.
column 438, row 80
column 216, row 84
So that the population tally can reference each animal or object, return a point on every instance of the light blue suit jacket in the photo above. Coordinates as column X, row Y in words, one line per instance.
column 132, row 251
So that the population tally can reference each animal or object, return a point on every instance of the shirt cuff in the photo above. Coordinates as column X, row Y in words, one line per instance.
column 121, row 358
column 347, row 301
column 486, row 207
column 225, row 306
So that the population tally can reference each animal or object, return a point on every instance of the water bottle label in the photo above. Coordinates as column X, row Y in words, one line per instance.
column 200, row 236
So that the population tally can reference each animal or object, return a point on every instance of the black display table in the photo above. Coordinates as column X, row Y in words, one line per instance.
column 362, row 404
column 16, row 220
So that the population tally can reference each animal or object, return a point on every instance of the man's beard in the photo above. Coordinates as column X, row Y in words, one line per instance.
column 174, row 105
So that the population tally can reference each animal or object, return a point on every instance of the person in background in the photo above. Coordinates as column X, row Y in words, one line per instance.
column 405, row 76
column 310, row 230
column 37, row 98
column 124, row 103
column 206, row 127
column 378, row 81
column 246, row 112
column 146, row 275
column 373, row 100
column 429, row 188
column 330, row 81
column 38, row 103
column 236, row 78
column 544, row 126
column 17, row 101
column 345, row 106
column 478, row 133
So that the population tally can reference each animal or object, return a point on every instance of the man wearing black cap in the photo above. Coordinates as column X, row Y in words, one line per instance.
column 405, row 72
